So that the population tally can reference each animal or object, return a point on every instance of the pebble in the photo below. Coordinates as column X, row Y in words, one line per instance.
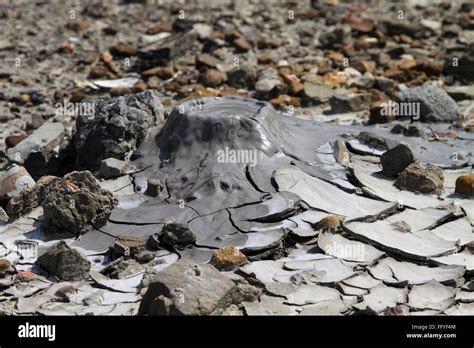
column 395, row 160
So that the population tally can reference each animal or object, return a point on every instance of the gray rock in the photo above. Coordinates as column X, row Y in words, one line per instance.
column 3, row 216
column 144, row 256
column 384, row 84
column 415, row 178
column 207, row 60
column 338, row 35
column 177, row 233
column 115, row 128
column 243, row 76
column 366, row 80
column 203, row 30
column 395, row 160
column 342, row 103
column 112, row 168
column 74, row 202
column 269, row 84
column 15, row 180
column 461, row 92
column 188, row 288
column 128, row 246
column 64, row 262
column 317, row 93
column 44, row 139
column 435, row 105
column 154, row 187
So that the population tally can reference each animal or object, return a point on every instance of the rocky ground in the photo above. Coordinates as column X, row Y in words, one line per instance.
column 236, row 157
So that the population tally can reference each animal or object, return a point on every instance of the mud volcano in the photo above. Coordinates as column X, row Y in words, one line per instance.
column 236, row 172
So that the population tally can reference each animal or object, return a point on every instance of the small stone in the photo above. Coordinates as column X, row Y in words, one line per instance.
column 159, row 28
column 13, row 181
column 435, row 105
column 317, row 92
column 395, row 160
column 123, row 50
column 30, row 199
column 465, row 184
column 342, row 103
column 3, row 216
column 331, row 222
column 228, row 258
column 25, row 276
column 188, row 288
column 376, row 114
column 364, row 26
column 365, row 81
column 78, row 26
column 101, row 72
column 207, row 61
column 163, row 73
column 461, row 92
column 408, row 131
column 432, row 25
column 295, row 87
column 203, row 30
column 64, row 262
column 415, row 178
column 65, row 293
column 145, row 256
column 285, row 100
column 177, row 234
column 242, row 44
column 74, row 202
column 384, row 84
column 243, row 76
column 154, row 187
column 112, row 168
column 338, row 35
column 6, row 268
column 212, row 78
column 128, row 246
column 44, row 139
column 14, row 139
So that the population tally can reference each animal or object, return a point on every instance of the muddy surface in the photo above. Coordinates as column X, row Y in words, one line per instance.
column 235, row 158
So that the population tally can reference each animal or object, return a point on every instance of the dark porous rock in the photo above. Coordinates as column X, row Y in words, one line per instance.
column 415, row 178
column 114, row 128
column 435, row 105
column 64, row 262
column 188, row 288
column 395, row 160
column 74, row 202
column 30, row 199
column 177, row 233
